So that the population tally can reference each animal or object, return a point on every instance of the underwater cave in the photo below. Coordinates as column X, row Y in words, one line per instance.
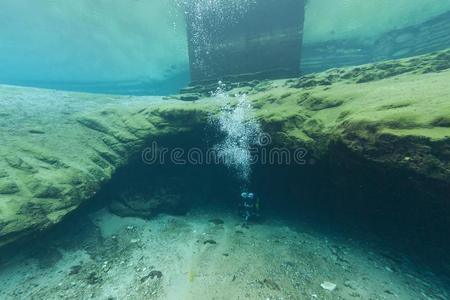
column 257, row 149
column 338, row 190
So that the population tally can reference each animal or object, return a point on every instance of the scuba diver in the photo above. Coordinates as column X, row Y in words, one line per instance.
column 249, row 207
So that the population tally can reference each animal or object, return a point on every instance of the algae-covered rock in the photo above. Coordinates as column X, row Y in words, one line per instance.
column 8, row 187
column 58, row 148
column 84, row 140
column 399, row 121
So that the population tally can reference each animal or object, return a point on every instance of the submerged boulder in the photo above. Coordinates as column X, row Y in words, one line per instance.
column 58, row 148
column 150, row 200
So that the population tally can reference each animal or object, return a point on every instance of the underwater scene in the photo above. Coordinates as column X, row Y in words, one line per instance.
column 225, row 149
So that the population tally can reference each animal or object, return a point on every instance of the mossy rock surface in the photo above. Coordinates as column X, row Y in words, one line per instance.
column 59, row 148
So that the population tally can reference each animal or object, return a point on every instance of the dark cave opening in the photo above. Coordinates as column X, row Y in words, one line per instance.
column 342, row 194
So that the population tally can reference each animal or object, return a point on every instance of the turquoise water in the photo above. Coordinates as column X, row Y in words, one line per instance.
column 111, row 46
column 224, row 149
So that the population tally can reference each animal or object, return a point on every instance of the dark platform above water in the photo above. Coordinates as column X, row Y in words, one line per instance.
column 255, row 40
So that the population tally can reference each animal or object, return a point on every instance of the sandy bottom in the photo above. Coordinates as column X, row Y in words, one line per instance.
column 209, row 255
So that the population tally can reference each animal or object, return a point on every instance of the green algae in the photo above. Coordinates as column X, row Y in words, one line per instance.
column 8, row 187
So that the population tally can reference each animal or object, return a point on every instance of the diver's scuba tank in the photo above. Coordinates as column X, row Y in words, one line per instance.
column 257, row 205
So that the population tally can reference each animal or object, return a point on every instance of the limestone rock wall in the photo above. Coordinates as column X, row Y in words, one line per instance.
column 59, row 148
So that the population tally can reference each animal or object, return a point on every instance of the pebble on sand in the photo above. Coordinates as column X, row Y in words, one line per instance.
column 329, row 286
